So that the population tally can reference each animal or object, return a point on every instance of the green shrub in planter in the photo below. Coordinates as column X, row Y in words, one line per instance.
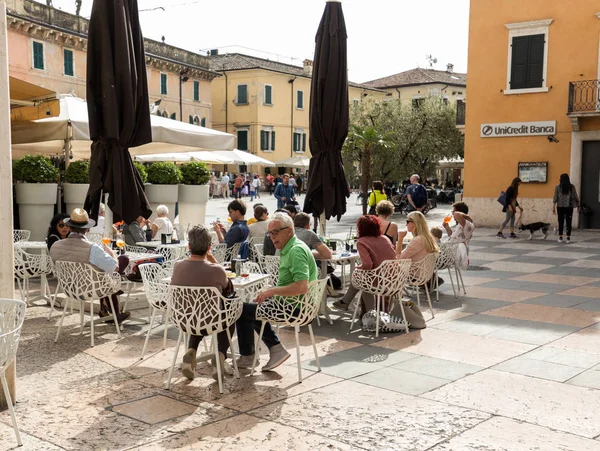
column 35, row 169
column 164, row 174
column 78, row 172
column 142, row 171
column 194, row 173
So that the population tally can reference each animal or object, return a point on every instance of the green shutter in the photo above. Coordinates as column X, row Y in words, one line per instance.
column 203, row 122
column 242, row 97
column 68, row 62
column 196, row 91
column 303, row 142
column 38, row 55
column 174, row 116
column 273, row 140
column 268, row 95
column 191, row 119
column 158, row 113
column 263, row 140
column 295, row 142
column 242, row 140
column 163, row 84
column 300, row 100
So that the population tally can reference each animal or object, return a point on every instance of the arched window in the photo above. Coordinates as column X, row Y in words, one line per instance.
column 196, row 120
column 165, row 114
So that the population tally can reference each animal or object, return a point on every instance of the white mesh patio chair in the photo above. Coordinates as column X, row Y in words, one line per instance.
column 387, row 280
column 27, row 266
column 171, row 253
column 271, row 267
column 198, row 310
column 81, row 282
column 293, row 311
column 95, row 238
column 214, row 238
column 21, row 235
column 219, row 251
column 420, row 274
column 135, row 249
column 156, row 294
column 12, row 314
column 447, row 260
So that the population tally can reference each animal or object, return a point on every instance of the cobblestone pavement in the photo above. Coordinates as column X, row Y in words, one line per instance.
column 513, row 364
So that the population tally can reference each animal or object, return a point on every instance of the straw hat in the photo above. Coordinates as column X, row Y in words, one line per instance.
column 80, row 219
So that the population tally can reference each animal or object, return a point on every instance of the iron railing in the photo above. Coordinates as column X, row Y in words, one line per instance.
column 461, row 112
column 584, row 96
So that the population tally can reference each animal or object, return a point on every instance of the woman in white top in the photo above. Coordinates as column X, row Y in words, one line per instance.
column 162, row 224
column 259, row 228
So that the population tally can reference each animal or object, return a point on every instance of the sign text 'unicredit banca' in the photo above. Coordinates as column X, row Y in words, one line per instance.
column 508, row 129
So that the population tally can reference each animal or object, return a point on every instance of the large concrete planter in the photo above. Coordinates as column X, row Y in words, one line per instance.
column 192, row 205
column 162, row 195
column 74, row 194
column 36, row 207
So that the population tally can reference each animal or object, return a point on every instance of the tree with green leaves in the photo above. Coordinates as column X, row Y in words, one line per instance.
column 417, row 137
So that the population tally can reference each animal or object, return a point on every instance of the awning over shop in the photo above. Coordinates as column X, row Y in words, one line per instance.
column 294, row 162
column 29, row 102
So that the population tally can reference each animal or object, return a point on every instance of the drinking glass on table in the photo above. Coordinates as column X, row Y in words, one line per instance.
column 120, row 242
column 106, row 239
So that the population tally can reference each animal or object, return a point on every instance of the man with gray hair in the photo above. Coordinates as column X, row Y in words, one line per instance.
column 202, row 270
column 416, row 194
column 297, row 268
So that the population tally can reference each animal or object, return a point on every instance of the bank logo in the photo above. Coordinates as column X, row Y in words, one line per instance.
column 487, row 130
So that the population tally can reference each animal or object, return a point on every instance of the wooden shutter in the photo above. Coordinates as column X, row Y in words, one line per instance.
column 300, row 100
column 38, row 55
column 242, row 96
column 203, row 122
column 243, row 140
column 303, row 142
column 296, row 146
column 196, row 90
column 191, row 119
column 273, row 140
column 268, row 95
column 263, row 140
column 163, row 84
column 68, row 62
column 174, row 116
column 527, row 65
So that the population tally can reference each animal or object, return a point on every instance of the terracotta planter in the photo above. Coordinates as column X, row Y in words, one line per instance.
column 192, row 205
column 74, row 195
column 36, row 207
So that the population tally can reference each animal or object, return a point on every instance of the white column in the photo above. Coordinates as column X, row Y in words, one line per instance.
column 7, row 288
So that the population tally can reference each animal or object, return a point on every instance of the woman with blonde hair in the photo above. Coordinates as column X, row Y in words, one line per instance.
column 423, row 242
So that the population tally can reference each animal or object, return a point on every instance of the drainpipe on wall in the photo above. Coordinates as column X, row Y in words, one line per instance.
column 226, row 101
column 398, row 91
column 291, row 82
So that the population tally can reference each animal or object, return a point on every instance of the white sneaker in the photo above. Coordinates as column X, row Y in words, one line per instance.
column 245, row 361
column 560, row 240
column 568, row 240
column 278, row 355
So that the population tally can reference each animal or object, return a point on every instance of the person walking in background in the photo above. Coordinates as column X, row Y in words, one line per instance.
column 299, row 183
column 238, row 184
column 225, row 185
column 376, row 196
column 257, row 185
column 416, row 194
column 565, row 199
column 510, row 208
column 270, row 182
column 284, row 192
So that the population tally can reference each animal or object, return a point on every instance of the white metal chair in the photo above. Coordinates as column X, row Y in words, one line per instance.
column 21, row 235
column 198, row 310
column 223, row 254
column 27, row 266
column 271, row 267
column 95, row 238
column 387, row 280
column 172, row 253
column 293, row 311
column 135, row 249
column 81, row 282
column 420, row 274
column 214, row 238
column 447, row 260
column 156, row 294
column 12, row 314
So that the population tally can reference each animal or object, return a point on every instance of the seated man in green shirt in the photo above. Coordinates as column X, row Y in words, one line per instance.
column 297, row 268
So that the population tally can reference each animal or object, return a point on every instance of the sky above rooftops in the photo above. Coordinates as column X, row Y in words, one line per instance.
column 384, row 36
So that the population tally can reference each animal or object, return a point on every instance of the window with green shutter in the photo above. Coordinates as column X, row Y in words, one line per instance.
column 242, row 95
column 242, row 136
column 196, row 91
column 163, row 84
column 300, row 100
column 263, row 140
column 174, row 116
column 68, row 62
column 527, row 62
column 303, row 142
column 296, row 142
column 268, row 95
column 38, row 55
column 272, row 140
column 191, row 119
column 203, row 122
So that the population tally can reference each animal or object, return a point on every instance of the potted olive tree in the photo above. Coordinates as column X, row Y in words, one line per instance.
column 162, row 187
column 77, row 183
column 193, row 194
column 36, row 183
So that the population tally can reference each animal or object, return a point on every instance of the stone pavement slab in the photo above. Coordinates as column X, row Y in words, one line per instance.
column 501, row 294
column 554, row 279
column 539, row 368
column 545, row 314
column 558, row 300
column 532, row 332
column 398, row 380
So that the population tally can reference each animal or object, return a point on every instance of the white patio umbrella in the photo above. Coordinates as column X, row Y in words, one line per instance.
column 294, row 162
column 174, row 157
column 69, row 133
column 243, row 157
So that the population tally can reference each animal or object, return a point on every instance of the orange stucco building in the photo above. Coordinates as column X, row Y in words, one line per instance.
column 534, row 105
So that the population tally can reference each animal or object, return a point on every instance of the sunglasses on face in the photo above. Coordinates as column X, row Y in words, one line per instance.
column 61, row 225
column 408, row 221
column 274, row 233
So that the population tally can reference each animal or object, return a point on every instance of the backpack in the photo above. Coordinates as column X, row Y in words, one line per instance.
column 419, row 195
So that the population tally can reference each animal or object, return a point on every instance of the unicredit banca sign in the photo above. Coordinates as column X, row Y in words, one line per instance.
column 508, row 129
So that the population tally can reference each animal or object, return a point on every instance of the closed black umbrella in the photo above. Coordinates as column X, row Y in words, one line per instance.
column 329, row 115
column 118, row 108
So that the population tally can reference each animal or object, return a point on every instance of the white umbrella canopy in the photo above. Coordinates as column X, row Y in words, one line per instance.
column 71, row 129
column 243, row 157
column 205, row 156
column 294, row 162
column 174, row 157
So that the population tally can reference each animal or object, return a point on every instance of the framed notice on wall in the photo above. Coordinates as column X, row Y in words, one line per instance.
column 533, row 172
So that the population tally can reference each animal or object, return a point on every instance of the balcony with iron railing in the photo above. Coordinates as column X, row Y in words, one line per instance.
column 584, row 101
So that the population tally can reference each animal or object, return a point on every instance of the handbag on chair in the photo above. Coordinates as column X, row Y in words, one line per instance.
column 415, row 318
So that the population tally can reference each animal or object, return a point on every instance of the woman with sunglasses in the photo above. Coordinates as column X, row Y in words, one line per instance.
column 58, row 230
column 423, row 242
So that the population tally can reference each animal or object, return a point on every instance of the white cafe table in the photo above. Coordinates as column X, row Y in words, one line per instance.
column 338, row 258
column 43, row 246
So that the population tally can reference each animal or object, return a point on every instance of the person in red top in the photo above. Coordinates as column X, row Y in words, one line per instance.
column 270, row 180
column 373, row 250
column 238, row 184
